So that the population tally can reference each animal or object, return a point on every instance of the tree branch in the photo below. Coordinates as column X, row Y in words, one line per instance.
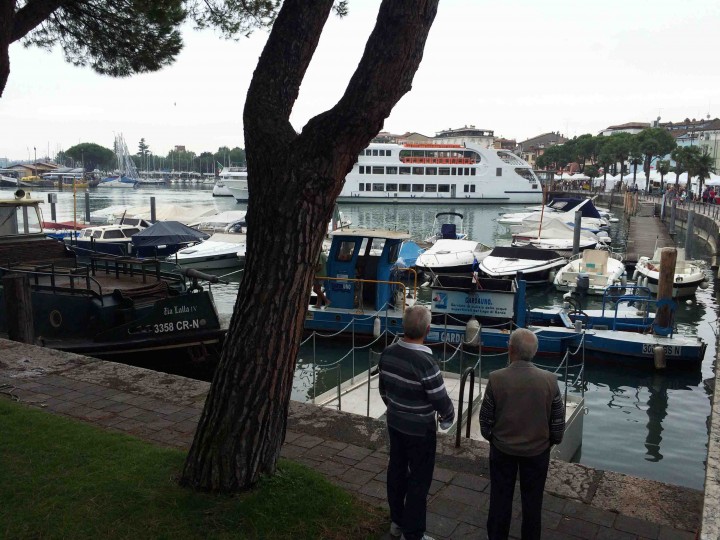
column 282, row 66
column 392, row 55
column 32, row 14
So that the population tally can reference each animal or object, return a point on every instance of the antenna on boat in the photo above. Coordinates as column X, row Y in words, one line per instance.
column 122, row 219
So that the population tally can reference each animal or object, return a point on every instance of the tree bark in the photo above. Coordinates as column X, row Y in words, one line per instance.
column 294, row 180
column 7, row 13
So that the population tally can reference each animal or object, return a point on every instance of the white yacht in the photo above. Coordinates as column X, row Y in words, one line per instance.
column 447, row 173
column 232, row 182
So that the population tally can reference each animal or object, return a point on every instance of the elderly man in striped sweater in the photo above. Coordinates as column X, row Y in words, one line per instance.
column 522, row 415
column 413, row 389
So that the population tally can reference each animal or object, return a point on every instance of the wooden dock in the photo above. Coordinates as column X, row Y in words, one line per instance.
column 645, row 233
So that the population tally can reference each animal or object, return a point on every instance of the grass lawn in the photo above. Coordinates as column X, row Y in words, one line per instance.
column 60, row 478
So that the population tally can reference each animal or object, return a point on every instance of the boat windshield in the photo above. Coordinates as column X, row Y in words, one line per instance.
column 19, row 219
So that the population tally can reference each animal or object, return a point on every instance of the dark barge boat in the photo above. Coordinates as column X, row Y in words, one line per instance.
column 102, row 305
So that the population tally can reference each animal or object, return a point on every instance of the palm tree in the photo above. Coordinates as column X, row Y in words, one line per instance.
column 663, row 167
column 680, row 156
column 700, row 165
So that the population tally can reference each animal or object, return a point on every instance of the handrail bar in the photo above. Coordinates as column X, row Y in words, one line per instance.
column 471, row 372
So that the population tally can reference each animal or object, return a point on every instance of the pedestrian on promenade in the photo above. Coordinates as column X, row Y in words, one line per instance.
column 522, row 415
column 413, row 389
column 705, row 195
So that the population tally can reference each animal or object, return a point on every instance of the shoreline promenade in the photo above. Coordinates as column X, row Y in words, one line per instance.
column 350, row 450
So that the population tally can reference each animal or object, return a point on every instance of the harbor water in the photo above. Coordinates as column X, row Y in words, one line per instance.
column 640, row 422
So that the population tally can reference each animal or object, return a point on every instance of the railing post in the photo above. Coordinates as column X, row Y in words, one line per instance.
column 369, row 376
column 314, row 367
column 470, row 403
column 339, row 384
column 352, row 378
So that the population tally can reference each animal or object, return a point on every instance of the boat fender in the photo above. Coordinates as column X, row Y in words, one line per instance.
column 472, row 331
column 635, row 275
column 376, row 327
column 399, row 299
column 623, row 280
column 704, row 284
column 56, row 318
column 659, row 357
column 578, row 325
column 551, row 276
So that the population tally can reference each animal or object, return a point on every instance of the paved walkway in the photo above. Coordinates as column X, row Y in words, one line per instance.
column 164, row 409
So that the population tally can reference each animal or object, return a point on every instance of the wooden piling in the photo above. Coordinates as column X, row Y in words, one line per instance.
column 668, row 258
column 18, row 308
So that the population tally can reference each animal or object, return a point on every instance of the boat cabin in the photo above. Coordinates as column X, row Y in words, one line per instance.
column 20, row 216
column 359, row 266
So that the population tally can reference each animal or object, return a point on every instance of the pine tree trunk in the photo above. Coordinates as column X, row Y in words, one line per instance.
column 7, row 12
column 294, row 181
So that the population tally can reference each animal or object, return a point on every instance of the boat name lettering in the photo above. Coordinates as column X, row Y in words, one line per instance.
column 162, row 328
column 670, row 350
column 481, row 301
column 175, row 310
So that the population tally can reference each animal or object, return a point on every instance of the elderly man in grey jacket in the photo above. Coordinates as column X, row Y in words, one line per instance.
column 522, row 415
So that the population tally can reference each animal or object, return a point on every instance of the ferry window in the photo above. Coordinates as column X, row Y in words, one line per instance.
column 444, row 171
column 391, row 187
column 534, row 186
column 388, row 153
column 472, row 188
column 444, row 188
column 378, row 187
column 498, row 171
column 346, row 251
column 130, row 232
column 97, row 234
column 453, row 171
column 431, row 188
column 374, row 152
column 418, row 170
column 417, row 188
column 391, row 170
column 378, row 170
column 362, row 169
column 367, row 186
column 472, row 172
column 404, row 187
column 404, row 170
column 362, row 186
column 368, row 152
column 466, row 188
column 431, row 170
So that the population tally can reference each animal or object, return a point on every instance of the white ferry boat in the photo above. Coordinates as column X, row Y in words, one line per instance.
column 432, row 173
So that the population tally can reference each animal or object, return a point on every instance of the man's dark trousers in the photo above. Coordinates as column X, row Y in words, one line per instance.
column 503, row 472
column 409, row 475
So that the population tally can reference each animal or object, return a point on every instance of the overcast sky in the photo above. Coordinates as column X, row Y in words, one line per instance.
column 518, row 67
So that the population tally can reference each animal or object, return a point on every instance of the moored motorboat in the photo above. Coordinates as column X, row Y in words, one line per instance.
column 592, row 271
column 558, row 236
column 538, row 266
column 448, row 256
column 689, row 275
column 221, row 250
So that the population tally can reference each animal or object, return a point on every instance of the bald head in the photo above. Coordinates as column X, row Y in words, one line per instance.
column 416, row 321
column 523, row 345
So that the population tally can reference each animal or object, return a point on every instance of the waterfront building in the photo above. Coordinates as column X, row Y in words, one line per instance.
column 533, row 148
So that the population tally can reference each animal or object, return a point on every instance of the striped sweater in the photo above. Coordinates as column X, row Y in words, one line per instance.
column 412, row 388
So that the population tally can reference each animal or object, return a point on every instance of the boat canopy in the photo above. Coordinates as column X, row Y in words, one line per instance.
column 165, row 233
column 586, row 206
column 534, row 254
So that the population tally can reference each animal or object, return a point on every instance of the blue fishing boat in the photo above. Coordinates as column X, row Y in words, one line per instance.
column 368, row 295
